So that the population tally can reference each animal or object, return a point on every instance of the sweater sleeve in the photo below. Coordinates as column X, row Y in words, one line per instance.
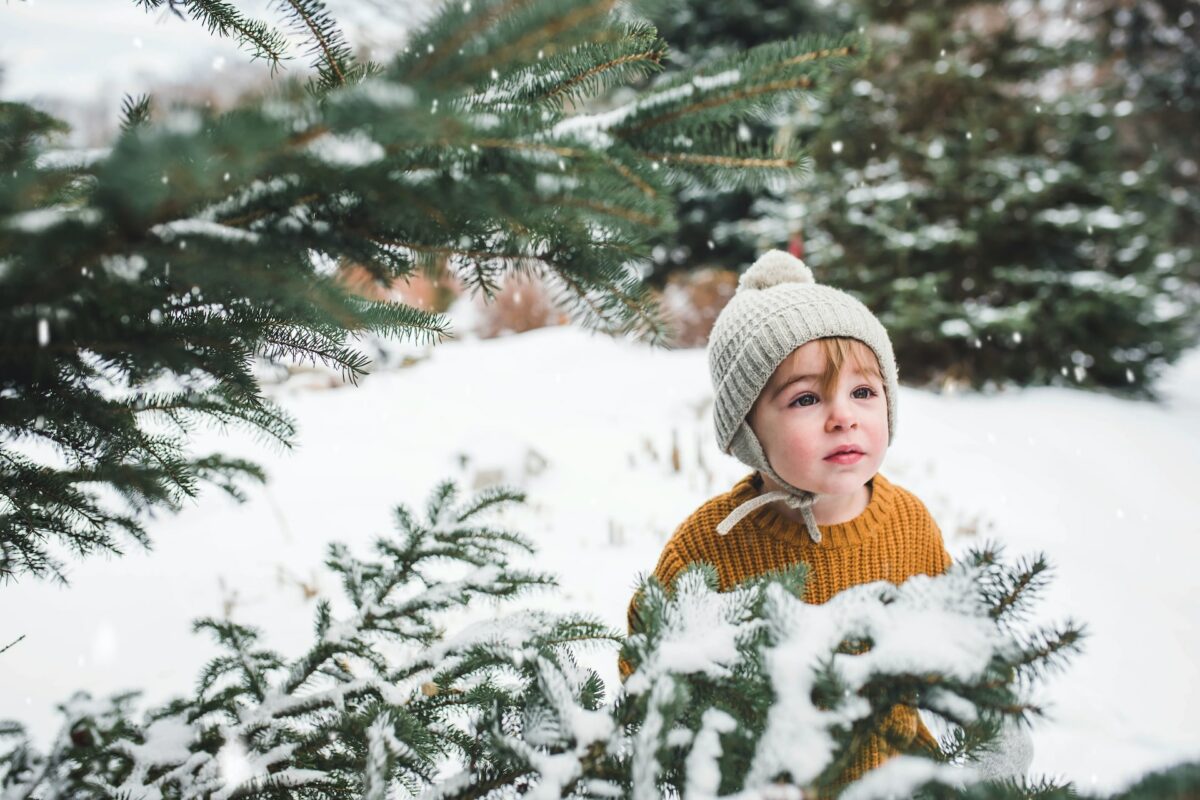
column 670, row 564
column 925, row 740
column 942, row 553
column 933, row 547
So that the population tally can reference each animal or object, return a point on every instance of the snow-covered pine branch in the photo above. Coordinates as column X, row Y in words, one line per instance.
column 752, row 693
column 377, row 704
column 749, row 694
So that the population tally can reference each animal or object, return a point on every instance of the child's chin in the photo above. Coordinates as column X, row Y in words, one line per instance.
column 847, row 480
column 844, row 489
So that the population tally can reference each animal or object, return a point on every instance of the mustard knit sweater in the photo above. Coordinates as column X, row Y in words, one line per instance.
column 892, row 539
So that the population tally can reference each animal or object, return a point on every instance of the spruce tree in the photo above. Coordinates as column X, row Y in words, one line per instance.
column 970, row 186
column 139, row 286
column 717, row 228
column 375, row 705
column 748, row 693
column 1153, row 53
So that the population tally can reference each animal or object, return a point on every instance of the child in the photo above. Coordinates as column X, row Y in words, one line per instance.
column 805, row 389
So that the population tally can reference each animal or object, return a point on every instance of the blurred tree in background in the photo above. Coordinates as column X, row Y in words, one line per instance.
column 1151, row 52
column 982, row 183
column 702, row 33
column 973, row 190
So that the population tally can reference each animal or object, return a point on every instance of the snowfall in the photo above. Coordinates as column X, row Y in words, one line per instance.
column 612, row 442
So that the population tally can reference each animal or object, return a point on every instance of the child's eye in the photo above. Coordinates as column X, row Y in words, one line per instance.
column 807, row 395
column 869, row 392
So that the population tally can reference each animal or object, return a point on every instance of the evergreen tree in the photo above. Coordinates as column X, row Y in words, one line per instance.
column 139, row 286
column 373, row 707
column 748, row 693
column 970, row 187
column 751, row 691
column 718, row 228
column 1153, row 52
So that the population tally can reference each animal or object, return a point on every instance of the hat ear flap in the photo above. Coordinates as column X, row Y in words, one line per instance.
column 746, row 448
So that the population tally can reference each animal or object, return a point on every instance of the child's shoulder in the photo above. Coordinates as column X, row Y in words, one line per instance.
column 912, row 524
column 698, row 531
column 905, row 504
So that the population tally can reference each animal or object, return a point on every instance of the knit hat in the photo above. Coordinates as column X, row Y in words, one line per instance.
column 778, row 307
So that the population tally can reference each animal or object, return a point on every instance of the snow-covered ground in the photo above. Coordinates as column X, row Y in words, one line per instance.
column 612, row 441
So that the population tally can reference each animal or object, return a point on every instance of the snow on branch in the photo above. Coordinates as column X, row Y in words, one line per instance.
column 348, row 715
column 735, row 692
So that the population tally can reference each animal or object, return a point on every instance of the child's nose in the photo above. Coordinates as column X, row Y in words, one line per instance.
column 841, row 415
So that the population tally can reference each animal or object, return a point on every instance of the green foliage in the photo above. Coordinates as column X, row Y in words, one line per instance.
column 1153, row 53
column 140, row 286
column 716, row 228
column 749, row 692
column 1176, row 783
column 379, row 702
column 773, row 680
column 1018, row 210
column 134, row 111
column 332, row 60
column 21, row 127
column 976, row 194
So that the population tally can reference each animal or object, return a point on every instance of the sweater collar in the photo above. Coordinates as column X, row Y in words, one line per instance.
column 844, row 534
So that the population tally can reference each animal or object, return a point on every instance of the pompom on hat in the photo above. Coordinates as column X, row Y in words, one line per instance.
column 773, row 268
column 779, row 306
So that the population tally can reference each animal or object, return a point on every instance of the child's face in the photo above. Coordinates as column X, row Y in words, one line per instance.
column 799, row 429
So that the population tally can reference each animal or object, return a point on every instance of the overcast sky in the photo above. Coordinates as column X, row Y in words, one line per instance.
column 70, row 49
column 84, row 50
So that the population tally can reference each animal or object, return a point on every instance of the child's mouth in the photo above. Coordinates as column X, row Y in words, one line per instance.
column 844, row 458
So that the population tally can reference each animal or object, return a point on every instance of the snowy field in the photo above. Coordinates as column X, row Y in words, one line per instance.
column 612, row 441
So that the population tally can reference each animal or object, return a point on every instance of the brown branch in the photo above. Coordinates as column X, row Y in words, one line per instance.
column 304, row 137
column 485, row 788
column 615, row 211
column 465, row 33
column 829, row 52
column 654, row 56
column 324, row 45
column 722, row 161
column 1010, row 598
column 10, row 644
column 629, row 175
column 512, row 144
column 802, row 82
